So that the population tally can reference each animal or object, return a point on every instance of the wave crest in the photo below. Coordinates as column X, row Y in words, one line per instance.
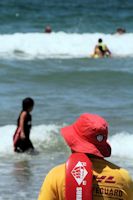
column 62, row 45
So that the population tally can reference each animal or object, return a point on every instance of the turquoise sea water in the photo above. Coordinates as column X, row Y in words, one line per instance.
column 58, row 72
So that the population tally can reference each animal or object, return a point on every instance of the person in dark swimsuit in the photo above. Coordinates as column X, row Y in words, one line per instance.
column 21, row 138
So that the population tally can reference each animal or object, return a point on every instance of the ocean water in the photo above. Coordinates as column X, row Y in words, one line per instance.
column 57, row 71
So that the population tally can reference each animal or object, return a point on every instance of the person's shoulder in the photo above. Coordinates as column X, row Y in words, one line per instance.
column 23, row 114
column 57, row 170
column 127, row 181
column 120, row 171
column 105, row 165
column 126, row 175
column 56, row 174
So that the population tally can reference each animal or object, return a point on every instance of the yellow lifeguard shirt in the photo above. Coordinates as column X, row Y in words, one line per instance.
column 110, row 182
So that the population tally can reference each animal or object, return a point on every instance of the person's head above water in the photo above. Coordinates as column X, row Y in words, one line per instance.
column 120, row 31
column 27, row 104
column 88, row 134
column 100, row 40
column 48, row 29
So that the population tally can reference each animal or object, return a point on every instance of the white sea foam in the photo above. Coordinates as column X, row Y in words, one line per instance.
column 62, row 45
column 121, row 143
column 39, row 135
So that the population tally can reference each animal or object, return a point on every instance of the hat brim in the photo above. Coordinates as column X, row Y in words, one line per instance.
column 79, row 145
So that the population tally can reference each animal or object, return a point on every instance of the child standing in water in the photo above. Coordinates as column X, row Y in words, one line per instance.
column 21, row 138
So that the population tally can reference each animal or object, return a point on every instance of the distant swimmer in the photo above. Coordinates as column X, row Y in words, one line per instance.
column 48, row 29
column 21, row 138
column 101, row 50
column 120, row 31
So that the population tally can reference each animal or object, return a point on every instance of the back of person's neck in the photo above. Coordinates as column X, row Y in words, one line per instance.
column 88, row 155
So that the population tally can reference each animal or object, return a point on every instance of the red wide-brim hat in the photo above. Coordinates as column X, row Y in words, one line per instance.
column 88, row 135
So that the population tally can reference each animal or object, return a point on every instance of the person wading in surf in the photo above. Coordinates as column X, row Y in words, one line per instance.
column 86, row 169
column 21, row 138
